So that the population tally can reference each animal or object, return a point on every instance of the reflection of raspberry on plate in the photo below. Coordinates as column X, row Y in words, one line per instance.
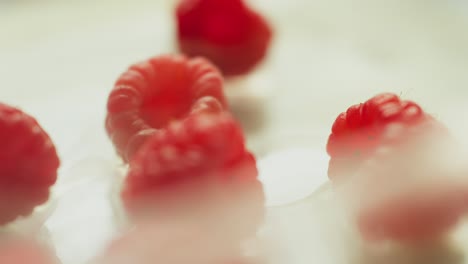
column 28, row 164
column 153, row 93
column 198, row 169
column 227, row 32
column 399, row 170
column 16, row 251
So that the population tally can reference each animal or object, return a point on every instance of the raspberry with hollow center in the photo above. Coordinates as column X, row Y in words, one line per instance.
column 152, row 94
column 28, row 164
column 227, row 32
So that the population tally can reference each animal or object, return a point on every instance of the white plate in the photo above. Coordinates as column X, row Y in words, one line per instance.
column 60, row 59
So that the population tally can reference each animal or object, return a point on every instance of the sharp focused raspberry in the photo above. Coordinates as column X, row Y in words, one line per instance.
column 197, row 169
column 15, row 251
column 227, row 32
column 153, row 93
column 359, row 131
column 28, row 164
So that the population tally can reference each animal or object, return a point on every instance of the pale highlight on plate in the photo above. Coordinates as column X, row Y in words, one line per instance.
column 292, row 174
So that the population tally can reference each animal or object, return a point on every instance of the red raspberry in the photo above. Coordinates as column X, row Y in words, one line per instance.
column 358, row 132
column 28, row 164
column 403, row 185
column 415, row 216
column 153, row 93
column 413, row 192
column 227, row 32
column 197, row 170
column 15, row 251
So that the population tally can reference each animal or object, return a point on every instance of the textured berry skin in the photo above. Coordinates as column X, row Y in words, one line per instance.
column 28, row 164
column 359, row 131
column 17, row 251
column 197, row 169
column 227, row 32
column 153, row 93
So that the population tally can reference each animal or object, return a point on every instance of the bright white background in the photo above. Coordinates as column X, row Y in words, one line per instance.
column 59, row 59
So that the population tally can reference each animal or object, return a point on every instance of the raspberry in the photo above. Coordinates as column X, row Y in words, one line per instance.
column 28, row 164
column 404, row 185
column 425, row 193
column 24, row 252
column 197, row 169
column 359, row 131
column 415, row 216
column 153, row 93
column 227, row 32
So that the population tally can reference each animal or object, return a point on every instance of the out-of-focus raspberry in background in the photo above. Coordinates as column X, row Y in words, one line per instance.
column 59, row 59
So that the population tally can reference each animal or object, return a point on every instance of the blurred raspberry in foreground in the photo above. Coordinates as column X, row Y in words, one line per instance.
column 197, row 171
column 150, row 243
column 409, row 182
column 227, row 32
column 19, row 251
column 412, row 193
